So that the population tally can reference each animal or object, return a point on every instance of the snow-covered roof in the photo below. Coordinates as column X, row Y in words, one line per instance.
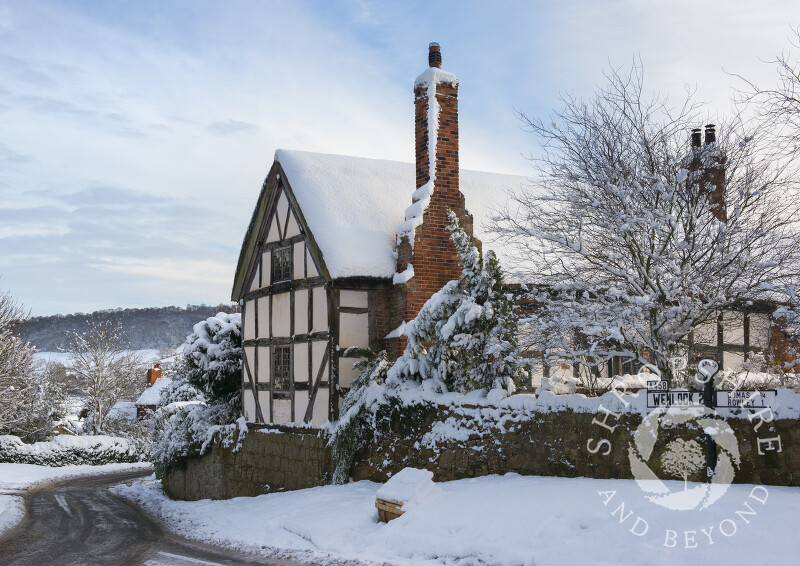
column 151, row 395
column 352, row 206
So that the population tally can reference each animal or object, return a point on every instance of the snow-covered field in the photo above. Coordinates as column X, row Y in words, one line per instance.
column 148, row 355
column 497, row 520
column 16, row 478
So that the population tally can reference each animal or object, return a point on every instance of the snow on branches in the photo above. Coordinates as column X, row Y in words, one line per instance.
column 464, row 337
column 631, row 239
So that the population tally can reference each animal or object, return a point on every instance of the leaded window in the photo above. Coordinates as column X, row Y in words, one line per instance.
column 281, row 367
column 282, row 264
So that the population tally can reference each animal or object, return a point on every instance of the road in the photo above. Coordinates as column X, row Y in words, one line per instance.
column 79, row 522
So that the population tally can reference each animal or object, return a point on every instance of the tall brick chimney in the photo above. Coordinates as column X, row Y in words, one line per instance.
column 708, row 160
column 426, row 258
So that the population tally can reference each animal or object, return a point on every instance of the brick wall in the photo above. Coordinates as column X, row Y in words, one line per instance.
column 433, row 255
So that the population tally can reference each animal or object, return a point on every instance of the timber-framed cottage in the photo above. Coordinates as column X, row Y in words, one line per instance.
column 342, row 251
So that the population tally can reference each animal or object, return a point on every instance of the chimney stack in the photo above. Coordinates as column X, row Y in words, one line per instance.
column 434, row 55
column 697, row 139
column 711, row 134
column 426, row 257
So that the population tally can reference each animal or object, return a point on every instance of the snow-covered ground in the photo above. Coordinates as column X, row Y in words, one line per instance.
column 16, row 478
column 497, row 520
column 148, row 355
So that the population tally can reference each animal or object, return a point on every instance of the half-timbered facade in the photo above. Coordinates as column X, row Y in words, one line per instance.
column 335, row 261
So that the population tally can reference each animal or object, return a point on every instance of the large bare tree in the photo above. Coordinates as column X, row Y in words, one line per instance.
column 104, row 369
column 632, row 237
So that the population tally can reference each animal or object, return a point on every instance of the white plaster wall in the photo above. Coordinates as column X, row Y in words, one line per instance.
column 320, row 414
column 280, row 315
column 317, row 353
column 249, row 315
column 249, row 351
column 320, row 309
column 282, row 209
column 298, row 266
column 300, row 362
column 273, row 235
column 732, row 360
column 353, row 330
column 256, row 283
column 300, row 405
column 266, row 268
column 347, row 373
column 312, row 269
column 733, row 328
column 301, row 311
column 292, row 229
column 359, row 299
column 263, row 399
column 264, row 364
column 263, row 317
column 282, row 411
column 706, row 334
column 249, row 406
column 759, row 330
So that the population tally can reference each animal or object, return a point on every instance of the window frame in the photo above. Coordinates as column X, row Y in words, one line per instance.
column 287, row 266
column 282, row 368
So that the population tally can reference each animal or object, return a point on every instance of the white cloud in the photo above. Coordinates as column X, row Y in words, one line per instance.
column 149, row 131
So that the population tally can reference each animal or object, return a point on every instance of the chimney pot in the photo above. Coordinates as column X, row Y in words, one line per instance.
column 697, row 139
column 435, row 55
column 711, row 134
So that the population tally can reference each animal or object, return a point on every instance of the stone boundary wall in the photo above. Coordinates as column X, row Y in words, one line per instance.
column 563, row 443
column 269, row 459
column 462, row 442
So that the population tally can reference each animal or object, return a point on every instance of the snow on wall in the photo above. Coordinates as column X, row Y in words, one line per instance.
column 352, row 206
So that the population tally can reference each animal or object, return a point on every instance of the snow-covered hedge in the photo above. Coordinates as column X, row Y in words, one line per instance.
column 69, row 450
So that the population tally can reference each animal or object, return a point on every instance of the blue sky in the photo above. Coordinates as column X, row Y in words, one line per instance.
column 134, row 137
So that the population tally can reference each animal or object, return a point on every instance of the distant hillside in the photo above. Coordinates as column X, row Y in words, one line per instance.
column 156, row 328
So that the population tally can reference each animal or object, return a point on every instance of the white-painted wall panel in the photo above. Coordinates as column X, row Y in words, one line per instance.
column 358, row 299
column 280, row 315
column 256, row 282
column 312, row 269
column 347, row 373
column 249, row 406
column 733, row 328
column 320, row 309
column 264, row 364
column 353, row 330
column 706, row 334
column 273, row 235
column 263, row 317
column 300, row 406
column 298, row 266
column 759, row 330
column 317, row 353
column 263, row 399
column 250, row 352
column 300, row 362
column 301, row 311
column 282, row 209
column 292, row 229
column 281, row 411
column 320, row 414
column 733, row 360
column 249, row 315
column 266, row 269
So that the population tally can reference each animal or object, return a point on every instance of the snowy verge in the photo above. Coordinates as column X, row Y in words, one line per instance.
column 16, row 478
column 497, row 520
